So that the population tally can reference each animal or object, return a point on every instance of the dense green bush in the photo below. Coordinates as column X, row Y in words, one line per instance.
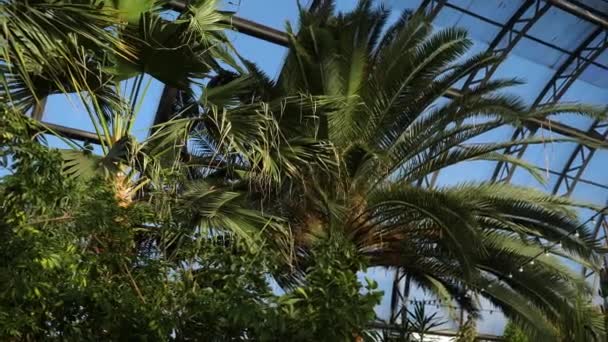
column 72, row 267
column 514, row 334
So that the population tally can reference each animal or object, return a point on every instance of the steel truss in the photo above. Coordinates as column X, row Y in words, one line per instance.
column 399, row 295
column 553, row 91
column 510, row 34
column 601, row 224
column 578, row 162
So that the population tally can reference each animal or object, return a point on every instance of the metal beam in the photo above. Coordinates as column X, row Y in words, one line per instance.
column 399, row 296
column 71, row 133
column 59, row 130
column 601, row 222
column 260, row 31
column 554, row 90
column 596, row 230
column 581, row 11
column 578, row 161
column 38, row 110
column 572, row 178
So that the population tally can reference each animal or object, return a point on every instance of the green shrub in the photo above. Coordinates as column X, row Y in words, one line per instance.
column 514, row 334
column 75, row 265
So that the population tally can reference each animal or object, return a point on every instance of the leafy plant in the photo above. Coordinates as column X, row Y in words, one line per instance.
column 78, row 265
column 329, row 303
column 413, row 326
column 514, row 334
column 468, row 331
column 421, row 323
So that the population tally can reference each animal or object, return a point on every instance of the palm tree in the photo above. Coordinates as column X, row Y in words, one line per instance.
column 54, row 47
column 342, row 142
column 88, row 48
column 103, row 52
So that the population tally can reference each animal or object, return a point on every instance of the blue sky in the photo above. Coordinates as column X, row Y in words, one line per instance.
column 529, row 61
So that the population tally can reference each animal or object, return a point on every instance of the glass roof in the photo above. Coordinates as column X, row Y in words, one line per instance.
column 543, row 53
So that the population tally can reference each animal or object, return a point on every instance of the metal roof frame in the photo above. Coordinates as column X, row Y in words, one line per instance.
column 600, row 223
column 525, row 34
column 578, row 161
column 581, row 11
column 510, row 34
column 553, row 91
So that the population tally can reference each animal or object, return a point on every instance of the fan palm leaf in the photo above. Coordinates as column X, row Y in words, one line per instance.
column 100, row 53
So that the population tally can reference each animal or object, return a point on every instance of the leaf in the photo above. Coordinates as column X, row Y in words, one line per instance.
column 80, row 164
column 132, row 10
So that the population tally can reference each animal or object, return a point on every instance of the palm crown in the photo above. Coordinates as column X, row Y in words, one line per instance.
column 344, row 138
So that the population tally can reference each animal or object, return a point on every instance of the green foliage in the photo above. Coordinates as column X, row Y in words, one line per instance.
column 514, row 334
column 468, row 331
column 329, row 296
column 415, row 325
column 76, row 265
column 421, row 323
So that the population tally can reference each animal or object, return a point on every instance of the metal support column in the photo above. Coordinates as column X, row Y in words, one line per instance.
column 399, row 296
column 38, row 110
